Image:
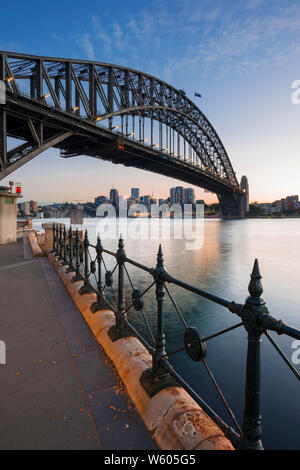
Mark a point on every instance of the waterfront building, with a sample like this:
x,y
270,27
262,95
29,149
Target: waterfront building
x,y
131,201
33,206
172,196
147,201
292,203
114,196
200,201
177,195
188,196
25,207
135,193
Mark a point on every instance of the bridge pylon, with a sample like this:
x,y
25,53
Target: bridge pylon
x,y
236,203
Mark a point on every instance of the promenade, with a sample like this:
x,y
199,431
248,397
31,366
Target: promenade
x,y
58,389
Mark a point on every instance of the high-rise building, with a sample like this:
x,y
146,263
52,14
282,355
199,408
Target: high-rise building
x,y
200,201
177,195
172,196
135,193
147,201
25,207
33,206
189,196
179,199
131,201
114,197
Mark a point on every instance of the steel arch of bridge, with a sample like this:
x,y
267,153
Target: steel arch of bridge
x,y
74,105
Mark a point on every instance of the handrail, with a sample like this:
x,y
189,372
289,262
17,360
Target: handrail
x,y
254,316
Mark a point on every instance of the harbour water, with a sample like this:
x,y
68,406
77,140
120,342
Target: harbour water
x,y
222,266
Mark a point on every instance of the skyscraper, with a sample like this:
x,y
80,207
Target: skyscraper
x,y
172,196
147,201
179,195
176,195
135,192
33,206
114,197
189,196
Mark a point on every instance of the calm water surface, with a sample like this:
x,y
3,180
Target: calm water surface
x,y
222,266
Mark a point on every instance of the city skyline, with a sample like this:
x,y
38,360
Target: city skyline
x,y
242,58
189,194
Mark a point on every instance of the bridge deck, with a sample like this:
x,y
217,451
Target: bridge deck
x,y
57,389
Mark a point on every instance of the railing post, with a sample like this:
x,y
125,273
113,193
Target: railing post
x,y
254,307
60,256
155,379
160,293
120,259
99,304
119,330
71,267
57,240
65,246
77,276
86,288
53,237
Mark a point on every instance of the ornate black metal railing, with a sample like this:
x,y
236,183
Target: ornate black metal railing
x,y
75,252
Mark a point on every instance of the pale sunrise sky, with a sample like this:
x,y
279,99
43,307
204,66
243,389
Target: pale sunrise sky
x,y
242,56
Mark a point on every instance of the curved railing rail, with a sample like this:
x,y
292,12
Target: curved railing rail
x,y
74,251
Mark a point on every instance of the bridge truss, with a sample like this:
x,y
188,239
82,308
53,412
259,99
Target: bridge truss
x,y
112,113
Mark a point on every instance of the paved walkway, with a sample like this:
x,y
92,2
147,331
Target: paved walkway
x,y
58,390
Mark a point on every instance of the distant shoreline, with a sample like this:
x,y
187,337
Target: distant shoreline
x,y
275,217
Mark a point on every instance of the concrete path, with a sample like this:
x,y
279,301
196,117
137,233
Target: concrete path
x,y
58,390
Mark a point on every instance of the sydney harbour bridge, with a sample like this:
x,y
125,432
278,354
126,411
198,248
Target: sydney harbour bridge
x,y
112,113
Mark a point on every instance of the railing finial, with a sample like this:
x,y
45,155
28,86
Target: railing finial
x,y
255,288
160,258
121,244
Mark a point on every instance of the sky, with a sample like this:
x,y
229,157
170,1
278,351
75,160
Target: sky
x,y
242,56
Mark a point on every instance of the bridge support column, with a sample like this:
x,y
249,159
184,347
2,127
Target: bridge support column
x,y
231,205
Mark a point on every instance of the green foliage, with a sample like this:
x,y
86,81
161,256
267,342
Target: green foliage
x,y
254,211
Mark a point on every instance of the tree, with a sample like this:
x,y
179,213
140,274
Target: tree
x,y
254,211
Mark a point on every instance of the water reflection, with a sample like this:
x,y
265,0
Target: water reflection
x,y
223,266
